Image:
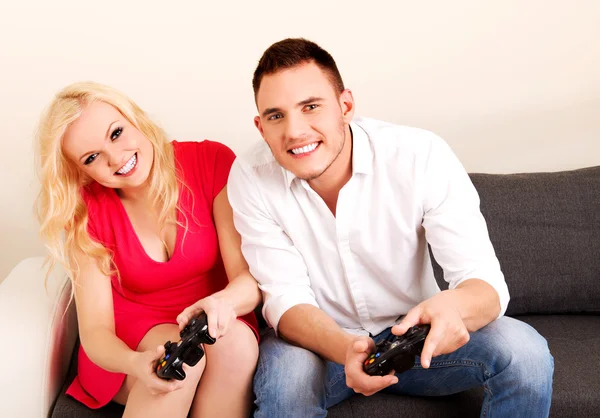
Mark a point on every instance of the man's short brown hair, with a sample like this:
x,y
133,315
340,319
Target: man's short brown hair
x,y
291,52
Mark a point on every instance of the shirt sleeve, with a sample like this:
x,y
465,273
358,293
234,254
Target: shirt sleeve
x,y
454,225
271,255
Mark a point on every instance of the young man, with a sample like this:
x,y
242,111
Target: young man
x,y
335,215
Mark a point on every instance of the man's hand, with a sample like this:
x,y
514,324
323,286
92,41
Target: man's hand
x,y
448,331
356,378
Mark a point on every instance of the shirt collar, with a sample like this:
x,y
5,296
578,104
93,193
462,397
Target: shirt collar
x,y
362,155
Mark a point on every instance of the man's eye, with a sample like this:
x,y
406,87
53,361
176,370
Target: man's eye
x,y
90,159
311,106
116,133
275,116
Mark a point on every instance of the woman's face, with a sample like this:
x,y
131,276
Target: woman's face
x,y
105,146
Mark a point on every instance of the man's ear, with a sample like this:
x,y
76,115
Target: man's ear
x,y
347,105
258,125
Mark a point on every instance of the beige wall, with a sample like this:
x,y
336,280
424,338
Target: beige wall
x,y
511,85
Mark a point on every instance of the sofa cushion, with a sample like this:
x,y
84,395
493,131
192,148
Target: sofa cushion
x,y
574,341
381,405
545,228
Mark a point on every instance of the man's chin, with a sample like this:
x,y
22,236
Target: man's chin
x,y
309,175
302,170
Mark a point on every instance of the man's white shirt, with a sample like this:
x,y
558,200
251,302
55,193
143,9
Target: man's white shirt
x,y
370,263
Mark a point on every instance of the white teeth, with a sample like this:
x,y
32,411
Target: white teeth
x,y
129,165
305,149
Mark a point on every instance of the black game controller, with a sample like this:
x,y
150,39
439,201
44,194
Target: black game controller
x,y
187,350
397,354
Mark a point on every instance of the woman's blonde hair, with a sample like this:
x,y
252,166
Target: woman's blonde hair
x,y
60,208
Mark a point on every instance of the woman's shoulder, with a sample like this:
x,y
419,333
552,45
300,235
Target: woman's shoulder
x,y
185,150
203,156
204,164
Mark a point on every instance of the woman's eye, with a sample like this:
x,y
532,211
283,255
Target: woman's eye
x,y
90,159
116,133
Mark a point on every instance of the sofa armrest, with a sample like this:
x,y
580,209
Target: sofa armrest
x,y
42,335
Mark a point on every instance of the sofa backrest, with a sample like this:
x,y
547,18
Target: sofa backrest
x,y
545,228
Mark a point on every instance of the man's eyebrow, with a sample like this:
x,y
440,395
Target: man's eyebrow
x,y
311,99
107,133
270,110
304,102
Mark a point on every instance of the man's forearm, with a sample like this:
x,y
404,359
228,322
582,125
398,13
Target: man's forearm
x,y
309,327
477,302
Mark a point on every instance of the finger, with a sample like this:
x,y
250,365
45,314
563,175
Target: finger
x,y
223,321
226,318
412,318
165,386
188,313
212,318
433,340
369,385
360,382
183,318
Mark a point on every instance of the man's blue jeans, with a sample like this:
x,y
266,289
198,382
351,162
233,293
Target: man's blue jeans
x,y
507,357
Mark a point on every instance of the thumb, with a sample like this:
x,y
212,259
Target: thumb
x,y
412,318
160,351
360,346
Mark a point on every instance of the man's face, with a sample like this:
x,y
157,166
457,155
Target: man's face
x,y
303,119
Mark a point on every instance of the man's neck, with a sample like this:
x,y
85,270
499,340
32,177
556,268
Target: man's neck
x,y
329,184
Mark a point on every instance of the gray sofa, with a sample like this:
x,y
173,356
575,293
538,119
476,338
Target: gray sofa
x,y
546,231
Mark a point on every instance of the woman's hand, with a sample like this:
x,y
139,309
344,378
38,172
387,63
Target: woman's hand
x,y
219,312
144,369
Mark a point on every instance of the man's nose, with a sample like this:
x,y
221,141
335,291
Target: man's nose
x,y
295,127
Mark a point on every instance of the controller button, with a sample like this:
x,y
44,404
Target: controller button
x,y
167,356
163,363
377,355
371,361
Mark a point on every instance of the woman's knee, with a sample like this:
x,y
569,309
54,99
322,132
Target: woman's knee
x,y
237,351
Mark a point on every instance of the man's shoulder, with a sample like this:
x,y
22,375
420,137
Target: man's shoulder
x,y
386,136
258,164
257,155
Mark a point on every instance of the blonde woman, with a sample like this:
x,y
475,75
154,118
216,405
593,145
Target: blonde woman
x,y
145,229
